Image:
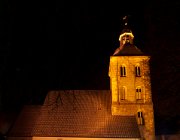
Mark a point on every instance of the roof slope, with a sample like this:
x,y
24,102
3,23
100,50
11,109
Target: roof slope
x,y
81,113
128,50
26,121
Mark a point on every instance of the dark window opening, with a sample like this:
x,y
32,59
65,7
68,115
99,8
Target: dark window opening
x,y
139,114
137,71
138,93
140,118
123,71
138,90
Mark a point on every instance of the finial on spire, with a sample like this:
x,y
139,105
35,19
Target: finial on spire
x,y
125,20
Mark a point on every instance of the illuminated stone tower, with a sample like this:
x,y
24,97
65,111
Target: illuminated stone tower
x,y
130,84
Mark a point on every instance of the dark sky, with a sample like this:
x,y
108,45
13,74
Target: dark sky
x,y
67,44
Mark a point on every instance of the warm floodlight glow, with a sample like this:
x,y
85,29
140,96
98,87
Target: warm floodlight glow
x,y
130,34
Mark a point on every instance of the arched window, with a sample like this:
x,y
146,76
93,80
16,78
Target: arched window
x,y
138,93
123,71
137,71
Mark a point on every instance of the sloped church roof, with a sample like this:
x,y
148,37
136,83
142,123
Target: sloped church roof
x,y
75,113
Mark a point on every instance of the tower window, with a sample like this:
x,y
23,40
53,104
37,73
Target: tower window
x,y
137,71
138,93
139,114
123,71
123,93
140,118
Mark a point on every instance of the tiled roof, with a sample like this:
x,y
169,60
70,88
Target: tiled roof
x,y
129,50
79,113
26,121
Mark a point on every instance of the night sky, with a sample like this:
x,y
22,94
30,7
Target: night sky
x,y
67,45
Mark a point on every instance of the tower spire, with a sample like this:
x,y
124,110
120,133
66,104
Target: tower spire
x,y
126,38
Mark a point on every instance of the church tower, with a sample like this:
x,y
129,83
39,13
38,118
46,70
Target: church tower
x,y
130,84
